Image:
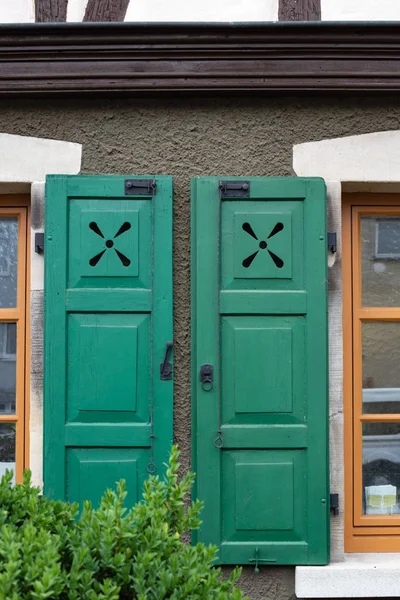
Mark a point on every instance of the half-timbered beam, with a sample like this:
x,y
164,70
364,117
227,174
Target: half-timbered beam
x,y
106,10
299,10
50,11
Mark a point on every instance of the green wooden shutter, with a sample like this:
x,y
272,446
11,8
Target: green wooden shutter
x,y
259,317
108,318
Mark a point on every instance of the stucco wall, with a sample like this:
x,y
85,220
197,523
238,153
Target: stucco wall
x,y
189,137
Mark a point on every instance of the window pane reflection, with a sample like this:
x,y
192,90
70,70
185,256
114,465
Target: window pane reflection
x,y
8,261
381,367
381,468
380,260
8,344
7,447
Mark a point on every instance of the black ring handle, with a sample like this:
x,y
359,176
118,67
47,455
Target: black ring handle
x,y
205,383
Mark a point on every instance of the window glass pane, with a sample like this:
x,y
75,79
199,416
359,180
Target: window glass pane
x,y
388,237
380,260
381,367
8,342
381,468
11,343
8,261
7,447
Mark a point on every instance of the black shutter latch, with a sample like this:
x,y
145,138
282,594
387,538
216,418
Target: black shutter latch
x,y
166,365
207,377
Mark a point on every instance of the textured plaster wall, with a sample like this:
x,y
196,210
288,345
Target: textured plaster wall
x,y
188,137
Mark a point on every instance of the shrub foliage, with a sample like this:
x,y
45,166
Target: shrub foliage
x,y
48,552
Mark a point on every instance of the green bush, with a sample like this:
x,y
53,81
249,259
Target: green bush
x,y
109,553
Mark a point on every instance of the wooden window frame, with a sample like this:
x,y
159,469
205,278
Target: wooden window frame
x,y
363,533
19,206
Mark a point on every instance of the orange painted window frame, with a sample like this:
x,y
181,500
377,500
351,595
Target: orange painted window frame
x,y
363,533
19,206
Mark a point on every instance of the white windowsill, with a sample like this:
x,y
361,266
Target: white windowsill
x,y
358,576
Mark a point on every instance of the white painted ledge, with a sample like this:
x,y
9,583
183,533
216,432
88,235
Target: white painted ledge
x,y
358,576
371,157
27,159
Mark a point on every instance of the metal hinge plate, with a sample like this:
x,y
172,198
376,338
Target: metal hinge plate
x,y
234,189
334,504
140,187
39,242
332,241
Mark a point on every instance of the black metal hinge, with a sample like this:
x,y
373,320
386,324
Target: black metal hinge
x,y
332,241
234,189
140,187
334,504
39,242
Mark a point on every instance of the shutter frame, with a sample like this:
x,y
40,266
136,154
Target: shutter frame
x,y
207,223
130,298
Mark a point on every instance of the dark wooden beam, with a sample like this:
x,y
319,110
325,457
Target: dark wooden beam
x,y
299,10
50,11
132,59
106,10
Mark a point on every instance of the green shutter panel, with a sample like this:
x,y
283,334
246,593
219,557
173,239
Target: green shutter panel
x,y
108,318
259,318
